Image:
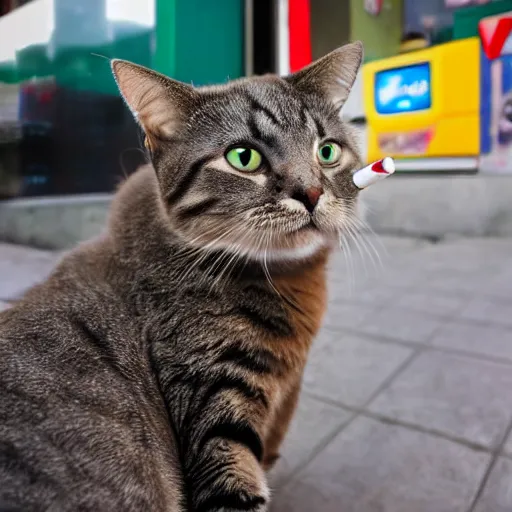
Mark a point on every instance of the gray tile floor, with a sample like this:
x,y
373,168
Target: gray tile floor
x,y
407,402
416,351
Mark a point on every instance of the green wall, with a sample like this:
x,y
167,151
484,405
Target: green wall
x,y
380,34
466,20
200,40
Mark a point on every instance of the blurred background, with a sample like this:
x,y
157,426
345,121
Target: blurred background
x,y
407,403
435,92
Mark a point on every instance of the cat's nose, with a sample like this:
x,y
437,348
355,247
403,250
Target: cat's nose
x,y
314,194
309,197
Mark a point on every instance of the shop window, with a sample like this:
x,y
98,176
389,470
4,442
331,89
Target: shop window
x,y
433,19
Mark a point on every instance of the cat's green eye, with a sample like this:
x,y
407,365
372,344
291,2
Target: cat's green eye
x,y
244,159
329,154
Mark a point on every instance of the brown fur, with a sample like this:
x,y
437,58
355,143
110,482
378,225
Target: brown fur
x,y
305,294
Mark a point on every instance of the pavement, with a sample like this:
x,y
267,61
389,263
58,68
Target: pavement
x,y
407,396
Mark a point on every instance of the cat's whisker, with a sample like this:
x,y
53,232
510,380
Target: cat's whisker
x,y
369,247
349,266
267,238
232,256
204,234
241,254
222,280
205,252
186,253
352,240
228,257
365,228
190,249
265,266
231,265
362,249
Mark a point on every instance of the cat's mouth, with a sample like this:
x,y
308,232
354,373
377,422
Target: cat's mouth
x,y
298,238
287,240
310,225
272,234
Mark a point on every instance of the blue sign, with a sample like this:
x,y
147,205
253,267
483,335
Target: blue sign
x,y
403,89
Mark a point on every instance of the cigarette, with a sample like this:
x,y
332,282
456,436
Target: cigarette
x,y
374,172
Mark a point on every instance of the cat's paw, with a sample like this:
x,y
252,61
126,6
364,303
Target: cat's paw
x,y
238,491
236,501
248,502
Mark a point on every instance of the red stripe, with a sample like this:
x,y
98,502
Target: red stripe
x,y
379,167
299,33
493,43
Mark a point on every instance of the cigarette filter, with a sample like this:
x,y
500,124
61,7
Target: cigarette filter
x,y
374,172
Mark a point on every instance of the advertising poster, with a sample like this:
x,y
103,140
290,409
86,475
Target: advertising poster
x,y
399,91
496,86
498,157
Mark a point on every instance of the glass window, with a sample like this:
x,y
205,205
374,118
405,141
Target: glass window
x,y
433,18
63,126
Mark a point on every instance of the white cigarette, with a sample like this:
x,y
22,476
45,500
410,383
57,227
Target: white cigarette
x,y
374,172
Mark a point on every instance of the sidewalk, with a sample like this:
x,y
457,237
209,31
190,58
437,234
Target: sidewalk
x,y
407,397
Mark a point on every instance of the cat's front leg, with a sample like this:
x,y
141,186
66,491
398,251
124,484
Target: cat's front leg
x,y
222,403
228,478
225,470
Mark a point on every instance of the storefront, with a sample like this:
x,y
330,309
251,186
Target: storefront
x,y
436,88
446,106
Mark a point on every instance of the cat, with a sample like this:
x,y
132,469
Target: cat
x,y
159,365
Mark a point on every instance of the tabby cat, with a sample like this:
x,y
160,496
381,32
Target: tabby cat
x,y
158,367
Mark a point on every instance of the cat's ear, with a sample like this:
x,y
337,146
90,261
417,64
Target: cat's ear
x,y
158,103
331,76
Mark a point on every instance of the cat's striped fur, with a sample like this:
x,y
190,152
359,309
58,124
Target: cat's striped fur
x,y
159,365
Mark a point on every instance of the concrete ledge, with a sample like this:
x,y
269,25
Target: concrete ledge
x,y
53,223
422,206
435,206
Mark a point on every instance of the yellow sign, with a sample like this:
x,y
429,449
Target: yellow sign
x,y
425,103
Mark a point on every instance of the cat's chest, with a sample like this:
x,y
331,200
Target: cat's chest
x,y
290,315
281,317
305,303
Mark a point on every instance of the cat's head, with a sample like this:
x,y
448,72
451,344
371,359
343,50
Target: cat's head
x,y
260,166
